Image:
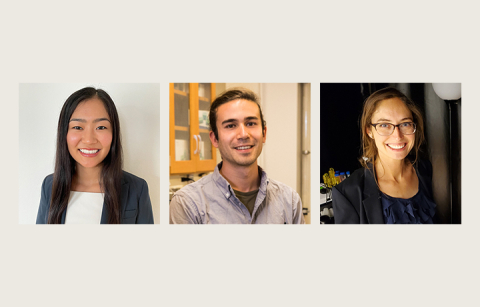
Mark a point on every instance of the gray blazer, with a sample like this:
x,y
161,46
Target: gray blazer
x,y
136,207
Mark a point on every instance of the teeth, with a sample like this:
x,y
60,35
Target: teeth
x,y
89,151
244,147
396,146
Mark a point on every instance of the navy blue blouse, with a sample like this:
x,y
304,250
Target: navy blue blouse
x,y
416,210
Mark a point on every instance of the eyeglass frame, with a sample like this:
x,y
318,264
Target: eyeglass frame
x,y
396,126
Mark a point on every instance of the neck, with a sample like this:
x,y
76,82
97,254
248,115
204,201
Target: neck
x,y
241,178
86,179
389,169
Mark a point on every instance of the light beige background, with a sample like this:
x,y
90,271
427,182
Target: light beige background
x,y
251,41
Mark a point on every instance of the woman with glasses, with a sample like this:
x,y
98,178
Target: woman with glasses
x,y
394,186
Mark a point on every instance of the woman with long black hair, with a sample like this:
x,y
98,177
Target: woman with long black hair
x,y
88,185
395,184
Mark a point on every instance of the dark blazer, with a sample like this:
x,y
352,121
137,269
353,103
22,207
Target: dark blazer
x,y
136,207
357,200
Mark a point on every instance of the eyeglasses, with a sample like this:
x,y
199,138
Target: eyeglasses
x,y
385,129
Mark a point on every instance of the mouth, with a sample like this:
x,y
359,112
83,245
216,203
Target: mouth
x,y
89,152
244,148
397,147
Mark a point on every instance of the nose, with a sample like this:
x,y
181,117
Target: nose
x,y
89,137
242,132
397,133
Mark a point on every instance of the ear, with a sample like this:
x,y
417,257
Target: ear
x,y
369,132
265,134
213,139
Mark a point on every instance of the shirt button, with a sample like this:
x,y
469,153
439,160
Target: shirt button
x,y
227,195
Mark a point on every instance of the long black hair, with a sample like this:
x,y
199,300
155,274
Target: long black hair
x,y
111,175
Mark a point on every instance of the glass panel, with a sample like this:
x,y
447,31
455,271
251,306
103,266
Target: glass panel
x,y
204,91
205,146
182,145
184,87
182,121
204,101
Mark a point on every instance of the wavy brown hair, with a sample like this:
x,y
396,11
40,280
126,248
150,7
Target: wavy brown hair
x,y
111,175
369,148
231,95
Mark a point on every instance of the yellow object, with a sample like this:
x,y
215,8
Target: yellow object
x,y
326,180
329,178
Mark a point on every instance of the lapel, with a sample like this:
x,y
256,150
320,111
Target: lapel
x,y
372,204
64,215
123,203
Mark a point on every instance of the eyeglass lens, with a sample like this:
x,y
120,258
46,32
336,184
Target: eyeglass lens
x,y
387,129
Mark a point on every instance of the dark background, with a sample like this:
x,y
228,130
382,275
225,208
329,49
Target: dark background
x,y
340,112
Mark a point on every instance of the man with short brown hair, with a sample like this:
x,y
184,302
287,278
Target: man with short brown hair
x,y
238,191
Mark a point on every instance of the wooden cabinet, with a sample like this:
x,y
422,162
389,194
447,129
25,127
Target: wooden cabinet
x,y
191,150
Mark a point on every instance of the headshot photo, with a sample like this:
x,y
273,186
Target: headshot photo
x,y
390,153
89,153
245,158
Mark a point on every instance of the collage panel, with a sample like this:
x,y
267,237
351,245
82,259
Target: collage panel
x,y
89,153
239,153
390,153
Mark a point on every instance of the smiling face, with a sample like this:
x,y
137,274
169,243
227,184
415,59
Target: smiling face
x,y
89,133
397,145
240,135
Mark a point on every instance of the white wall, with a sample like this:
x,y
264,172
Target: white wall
x,y
138,106
281,152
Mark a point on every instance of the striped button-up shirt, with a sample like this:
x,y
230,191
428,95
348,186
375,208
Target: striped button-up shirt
x,y
211,200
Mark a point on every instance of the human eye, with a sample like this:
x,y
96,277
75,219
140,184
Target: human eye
x,y
384,125
76,128
229,126
250,124
101,128
406,125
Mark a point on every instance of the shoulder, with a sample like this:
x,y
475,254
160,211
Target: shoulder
x,y
277,185
189,204
189,201
46,194
132,179
196,193
352,183
47,182
194,188
282,191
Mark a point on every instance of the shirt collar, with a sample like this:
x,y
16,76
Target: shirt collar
x,y
226,188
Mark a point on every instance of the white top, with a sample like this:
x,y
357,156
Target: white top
x,y
84,208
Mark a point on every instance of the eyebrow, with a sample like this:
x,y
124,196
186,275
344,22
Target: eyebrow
x,y
84,121
232,120
388,120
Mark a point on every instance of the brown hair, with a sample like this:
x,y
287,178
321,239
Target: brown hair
x,y
230,95
370,151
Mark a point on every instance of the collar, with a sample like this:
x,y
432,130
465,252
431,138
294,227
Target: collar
x,y
226,188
